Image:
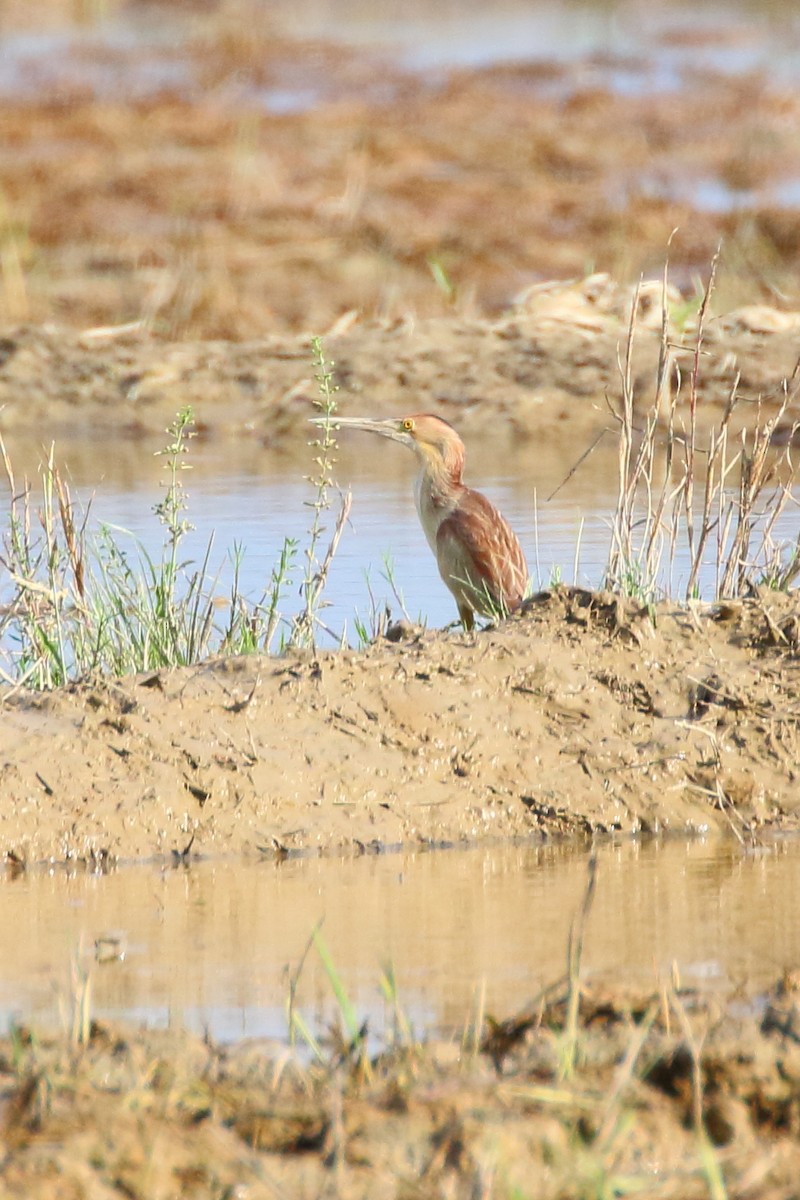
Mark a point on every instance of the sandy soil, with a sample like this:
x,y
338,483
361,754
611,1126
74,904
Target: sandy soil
x,y
581,716
671,1096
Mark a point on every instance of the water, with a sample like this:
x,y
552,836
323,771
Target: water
x,y
213,946
383,538
238,494
631,48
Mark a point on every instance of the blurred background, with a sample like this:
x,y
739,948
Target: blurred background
x,y
225,168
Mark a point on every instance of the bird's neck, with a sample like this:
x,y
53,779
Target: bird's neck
x,y
443,468
440,474
437,491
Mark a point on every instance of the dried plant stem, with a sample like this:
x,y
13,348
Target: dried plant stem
x,y
680,493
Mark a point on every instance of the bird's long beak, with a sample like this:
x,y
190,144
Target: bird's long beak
x,y
389,429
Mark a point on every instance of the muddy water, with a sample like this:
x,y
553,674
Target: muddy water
x,y
213,945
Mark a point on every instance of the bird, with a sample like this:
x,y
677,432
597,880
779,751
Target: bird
x,y
477,552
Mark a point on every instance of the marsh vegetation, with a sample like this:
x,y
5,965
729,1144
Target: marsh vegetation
x,y
85,599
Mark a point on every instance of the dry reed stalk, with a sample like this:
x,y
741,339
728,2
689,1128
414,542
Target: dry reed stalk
x,y
657,513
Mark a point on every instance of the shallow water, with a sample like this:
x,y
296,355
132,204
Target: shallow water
x,y
629,47
213,946
240,494
383,528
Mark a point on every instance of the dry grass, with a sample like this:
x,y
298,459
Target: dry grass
x,y
83,600
206,214
714,501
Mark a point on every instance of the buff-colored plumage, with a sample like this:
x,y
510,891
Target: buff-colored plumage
x,y
478,554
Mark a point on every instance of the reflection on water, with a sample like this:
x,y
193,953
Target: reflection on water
x,y
212,946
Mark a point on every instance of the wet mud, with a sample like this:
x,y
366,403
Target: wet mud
x,y
587,714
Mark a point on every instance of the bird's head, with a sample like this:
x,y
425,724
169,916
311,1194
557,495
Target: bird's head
x,y
434,441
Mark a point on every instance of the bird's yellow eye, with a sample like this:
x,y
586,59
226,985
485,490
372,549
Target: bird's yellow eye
x,y
408,424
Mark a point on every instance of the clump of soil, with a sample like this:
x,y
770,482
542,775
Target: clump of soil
x,y
585,714
669,1092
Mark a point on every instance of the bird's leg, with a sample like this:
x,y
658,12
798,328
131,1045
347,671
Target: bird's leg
x,y
467,617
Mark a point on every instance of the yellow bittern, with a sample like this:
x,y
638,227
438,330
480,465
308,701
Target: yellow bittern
x,y
477,552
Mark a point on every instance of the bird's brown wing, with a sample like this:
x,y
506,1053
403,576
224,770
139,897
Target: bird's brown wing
x,y
480,558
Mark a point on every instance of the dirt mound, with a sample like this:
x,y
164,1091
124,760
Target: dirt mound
x,y
586,714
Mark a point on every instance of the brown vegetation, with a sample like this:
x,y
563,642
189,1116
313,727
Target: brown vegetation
x,y
668,1096
204,209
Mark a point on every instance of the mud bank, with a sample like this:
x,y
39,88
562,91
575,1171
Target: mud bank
x,y
548,370
581,716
